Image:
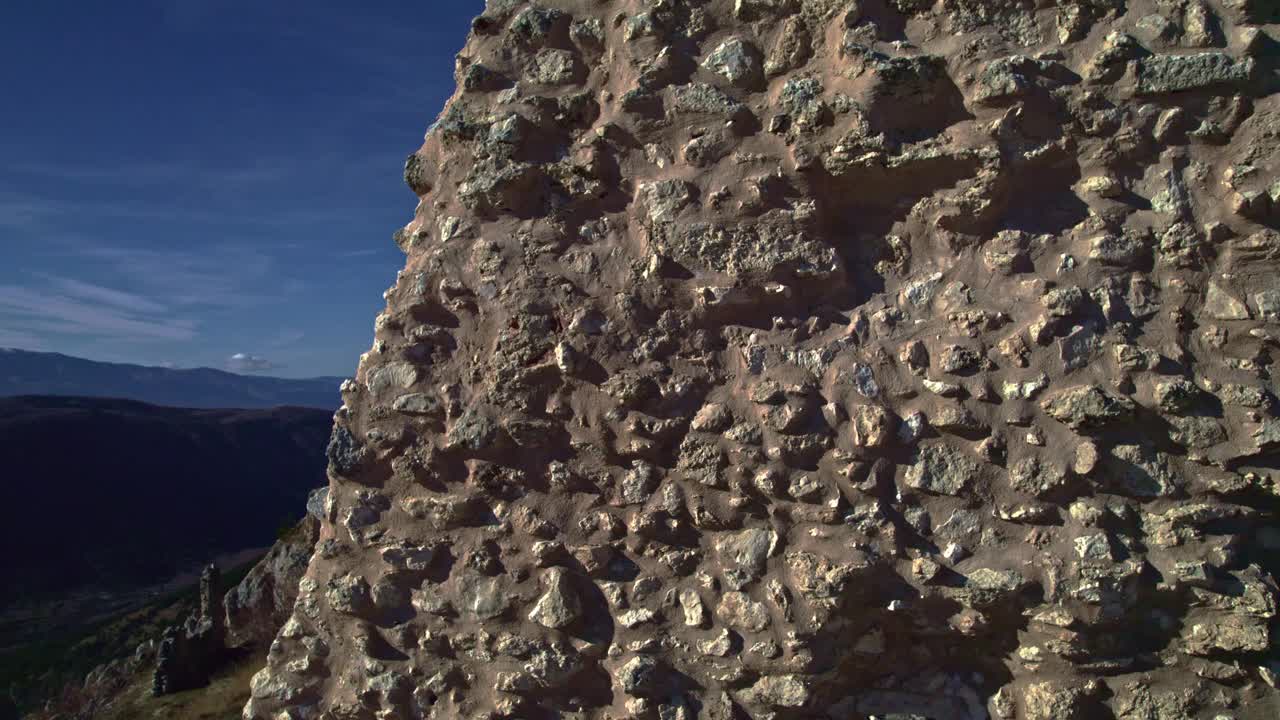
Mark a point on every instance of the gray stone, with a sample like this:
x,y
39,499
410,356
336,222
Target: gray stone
x,y
636,617
703,99
1226,634
1000,581
695,613
738,610
1094,547
758,9
1087,407
640,676
912,428
803,105
345,453
1032,476
817,577
748,550
1012,77
559,606
794,46
718,645
317,503
484,597
941,470
1249,396
1161,74
764,251
1141,472
537,25
1079,347
1220,305
1176,396
1056,700
396,375
778,691
189,654
418,404
1125,251
864,380
738,61
1267,303
473,431
553,67
665,199
349,594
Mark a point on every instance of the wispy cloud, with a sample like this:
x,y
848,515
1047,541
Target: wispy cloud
x,y
20,340
23,212
42,215
218,277
157,173
367,252
155,295
49,310
105,295
286,338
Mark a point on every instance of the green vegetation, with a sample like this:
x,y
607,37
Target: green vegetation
x,y
222,699
37,671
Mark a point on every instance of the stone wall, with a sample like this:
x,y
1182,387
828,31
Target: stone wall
x,y
818,359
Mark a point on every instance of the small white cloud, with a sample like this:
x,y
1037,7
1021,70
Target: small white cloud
x,y
244,362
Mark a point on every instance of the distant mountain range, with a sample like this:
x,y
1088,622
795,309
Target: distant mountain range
x,y
115,494
23,372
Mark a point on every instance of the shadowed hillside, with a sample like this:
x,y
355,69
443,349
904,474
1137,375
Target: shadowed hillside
x,y
141,493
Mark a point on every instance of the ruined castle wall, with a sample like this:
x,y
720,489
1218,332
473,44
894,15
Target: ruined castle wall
x,y
819,359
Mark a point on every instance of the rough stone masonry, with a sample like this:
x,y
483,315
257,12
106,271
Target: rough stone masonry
x,y
791,359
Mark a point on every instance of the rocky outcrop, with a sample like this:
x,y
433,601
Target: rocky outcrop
x,y
189,653
818,359
248,615
258,606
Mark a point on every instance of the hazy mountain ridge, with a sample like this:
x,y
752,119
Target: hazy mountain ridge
x,y
24,372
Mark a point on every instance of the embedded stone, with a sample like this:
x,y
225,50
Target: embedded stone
x,y
738,610
1160,74
559,606
941,470
738,61
1087,407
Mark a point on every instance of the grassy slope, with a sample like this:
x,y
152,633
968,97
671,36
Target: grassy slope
x,y
39,670
222,699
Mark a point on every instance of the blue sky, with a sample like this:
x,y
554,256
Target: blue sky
x,y
184,182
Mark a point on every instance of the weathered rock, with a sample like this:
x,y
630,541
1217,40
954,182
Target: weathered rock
x,y
559,606
738,610
1052,700
190,653
941,470
1087,407
1229,634
1221,306
778,691
738,61
1176,73
641,676
262,602
748,550
803,358
816,576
